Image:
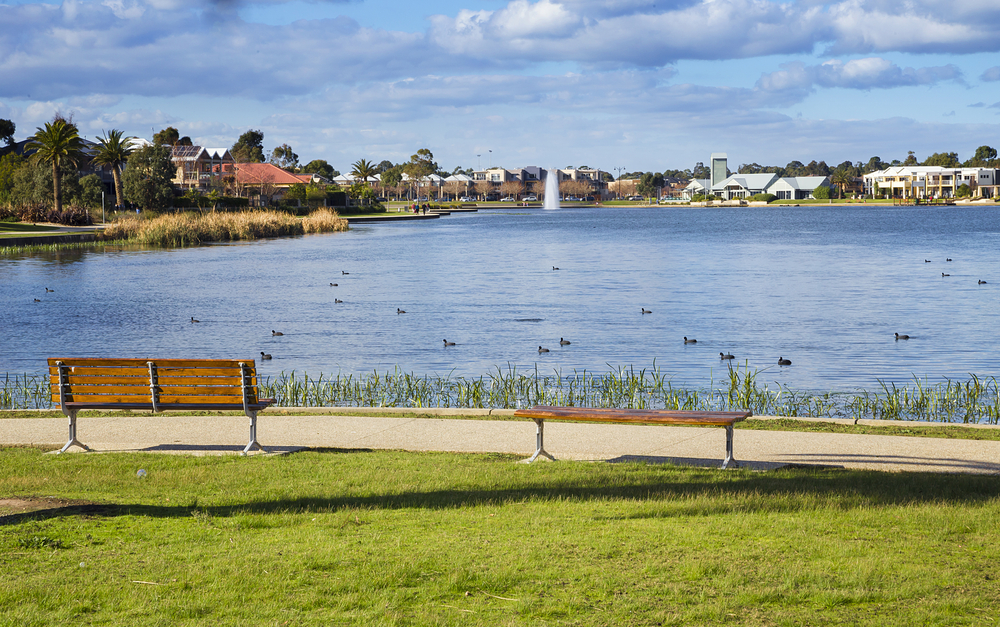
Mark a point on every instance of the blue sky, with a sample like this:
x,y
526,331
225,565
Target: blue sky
x,y
639,84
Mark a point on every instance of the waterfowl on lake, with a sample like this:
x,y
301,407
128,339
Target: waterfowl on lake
x,y
982,282
726,356
399,311
563,342
193,320
691,341
542,350
342,272
337,300
447,343
37,300
646,311
333,285
902,337
276,333
948,259
264,355
784,362
48,290
943,274
927,260
554,268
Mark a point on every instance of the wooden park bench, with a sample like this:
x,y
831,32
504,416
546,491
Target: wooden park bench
x,y
541,413
156,385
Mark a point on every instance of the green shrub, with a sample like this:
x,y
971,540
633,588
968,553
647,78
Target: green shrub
x,y
763,197
822,192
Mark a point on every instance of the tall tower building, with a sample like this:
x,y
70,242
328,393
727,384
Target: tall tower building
x,y
718,167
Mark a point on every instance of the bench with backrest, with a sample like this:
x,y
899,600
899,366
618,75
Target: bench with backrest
x,y
157,385
541,413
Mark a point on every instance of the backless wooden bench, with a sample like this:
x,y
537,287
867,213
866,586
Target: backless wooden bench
x,y
156,385
541,413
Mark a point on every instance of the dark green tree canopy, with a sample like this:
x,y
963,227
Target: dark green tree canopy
x,y
384,166
249,148
985,157
284,157
7,128
147,177
321,167
170,136
421,164
393,176
943,159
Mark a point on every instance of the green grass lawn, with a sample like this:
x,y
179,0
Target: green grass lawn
x,y
394,538
21,227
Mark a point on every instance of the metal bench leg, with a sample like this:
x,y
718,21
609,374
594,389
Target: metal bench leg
x,y
72,435
729,461
254,444
539,447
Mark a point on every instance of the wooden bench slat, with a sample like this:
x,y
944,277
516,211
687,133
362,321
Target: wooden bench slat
x,y
164,399
190,373
86,380
136,362
77,371
261,404
176,390
610,414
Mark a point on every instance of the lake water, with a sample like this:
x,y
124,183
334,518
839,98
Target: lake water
x,y
824,287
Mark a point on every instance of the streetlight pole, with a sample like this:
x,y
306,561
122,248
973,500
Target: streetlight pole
x,y
491,159
480,162
619,182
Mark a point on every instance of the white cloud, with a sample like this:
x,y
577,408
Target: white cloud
x,y
991,75
867,73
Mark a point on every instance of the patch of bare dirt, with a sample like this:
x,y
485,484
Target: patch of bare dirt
x,y
37,504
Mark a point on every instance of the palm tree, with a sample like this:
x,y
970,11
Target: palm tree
x,y
113,151
363,170
59,142
842,178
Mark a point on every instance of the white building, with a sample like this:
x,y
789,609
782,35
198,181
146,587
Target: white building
x,y
931,181
797,187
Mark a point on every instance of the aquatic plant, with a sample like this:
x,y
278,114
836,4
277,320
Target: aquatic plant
x,y
975,401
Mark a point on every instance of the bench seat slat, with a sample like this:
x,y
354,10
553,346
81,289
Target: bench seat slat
x,y
661,416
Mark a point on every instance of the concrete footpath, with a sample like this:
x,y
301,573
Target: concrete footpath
x,y
201,435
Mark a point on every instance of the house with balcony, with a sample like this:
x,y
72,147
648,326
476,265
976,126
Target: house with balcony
x,y
931,181
196,167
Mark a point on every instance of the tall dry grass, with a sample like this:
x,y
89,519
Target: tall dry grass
x,y
185,229
323,221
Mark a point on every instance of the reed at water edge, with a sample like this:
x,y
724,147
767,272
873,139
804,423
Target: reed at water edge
x,y
189,228
974,401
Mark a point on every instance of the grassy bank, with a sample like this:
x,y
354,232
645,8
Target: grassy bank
x,y
973,401
183,229
391,538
